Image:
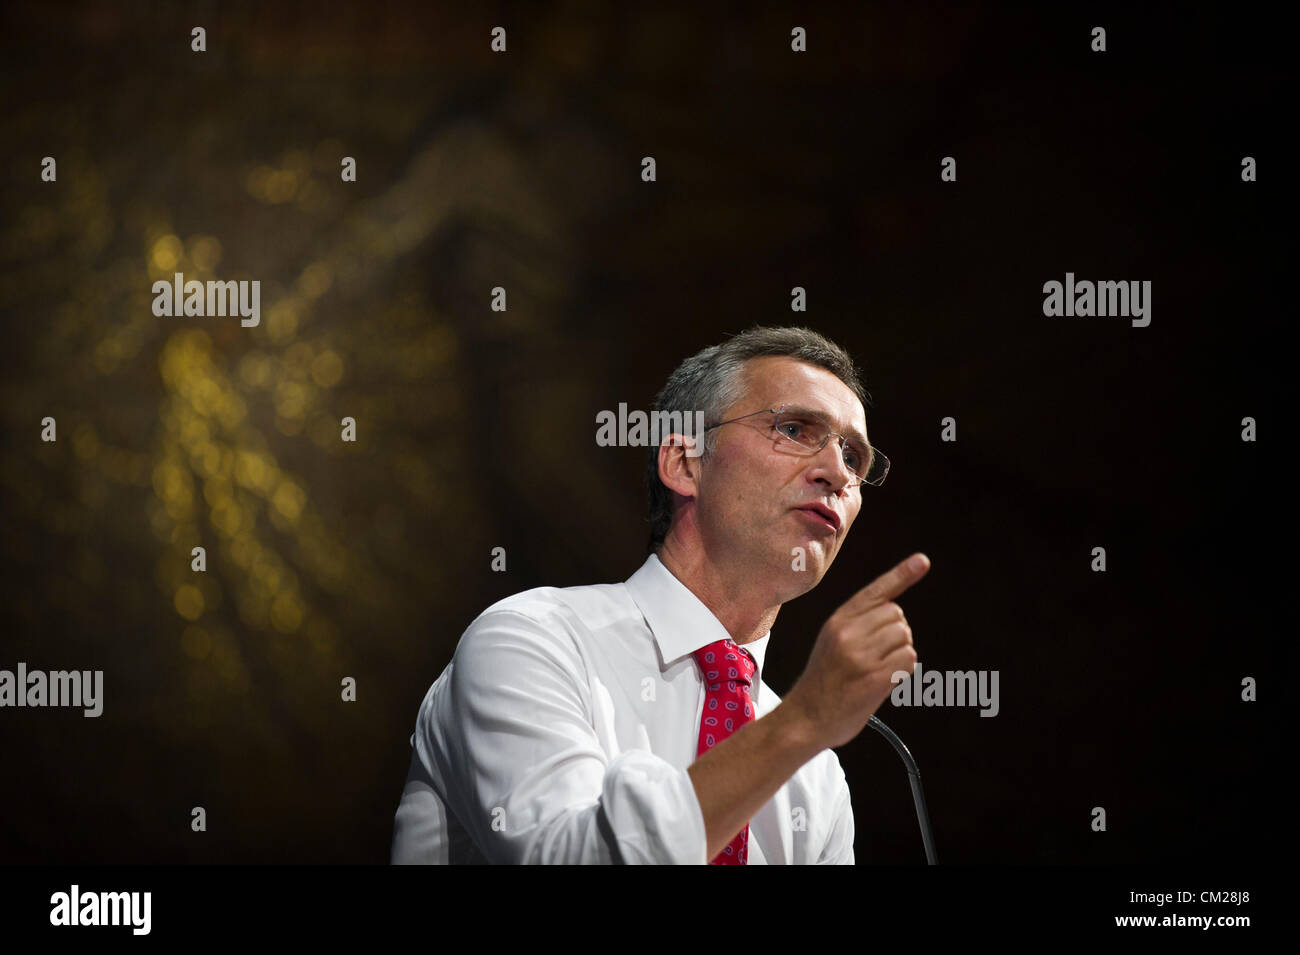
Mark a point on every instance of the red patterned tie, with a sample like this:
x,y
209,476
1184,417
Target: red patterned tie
x,y
727,670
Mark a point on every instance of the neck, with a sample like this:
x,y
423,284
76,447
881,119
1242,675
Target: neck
x,y
742,605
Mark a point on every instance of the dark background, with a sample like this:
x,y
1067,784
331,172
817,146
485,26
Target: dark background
x,y
476,428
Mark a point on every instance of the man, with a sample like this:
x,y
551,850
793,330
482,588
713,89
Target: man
x,y
628,723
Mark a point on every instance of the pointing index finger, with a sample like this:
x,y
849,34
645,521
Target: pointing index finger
x,y
889,584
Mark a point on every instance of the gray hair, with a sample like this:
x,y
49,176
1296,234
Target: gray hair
x,y
710,381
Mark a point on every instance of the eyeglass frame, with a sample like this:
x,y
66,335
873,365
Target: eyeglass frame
x,y
778,411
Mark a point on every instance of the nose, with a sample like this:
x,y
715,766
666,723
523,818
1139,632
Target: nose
x,y
836,475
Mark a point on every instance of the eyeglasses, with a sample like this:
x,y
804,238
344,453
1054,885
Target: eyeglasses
x,y
806,432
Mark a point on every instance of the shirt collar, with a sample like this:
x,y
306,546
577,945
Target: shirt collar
x,y
679,620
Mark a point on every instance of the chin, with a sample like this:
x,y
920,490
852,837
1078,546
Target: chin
x,y
816,563
803,583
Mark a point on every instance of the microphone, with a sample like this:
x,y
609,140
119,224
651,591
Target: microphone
x,y
914,776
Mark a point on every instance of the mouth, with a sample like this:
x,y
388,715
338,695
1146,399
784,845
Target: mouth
x,y
822,514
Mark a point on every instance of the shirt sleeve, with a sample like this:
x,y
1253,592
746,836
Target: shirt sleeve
x,y
839,842
524,770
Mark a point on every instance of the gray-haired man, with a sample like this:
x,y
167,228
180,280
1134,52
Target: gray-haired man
x,y
629,722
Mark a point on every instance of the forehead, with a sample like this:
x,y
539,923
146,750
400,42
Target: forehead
x,y
774,380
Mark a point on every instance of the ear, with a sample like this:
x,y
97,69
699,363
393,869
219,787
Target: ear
x,y
679,463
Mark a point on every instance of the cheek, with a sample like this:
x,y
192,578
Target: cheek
x,y
728,496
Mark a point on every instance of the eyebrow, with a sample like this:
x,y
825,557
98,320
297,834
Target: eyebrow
x,y
825,419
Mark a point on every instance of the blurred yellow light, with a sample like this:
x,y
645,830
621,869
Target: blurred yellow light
x,y
243,550
205,252
290,399
227,518
298,357
204,395
255,369
286,614
231,410
315,280
259,181
288,500
249,469
178,508
107,355
282,321
84,443
327,369
207,458
281,186
166,253
189,601
217,491
267,572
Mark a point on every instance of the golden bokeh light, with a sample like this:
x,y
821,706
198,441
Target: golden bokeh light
x,y
166,253
188,601
327,369
205,252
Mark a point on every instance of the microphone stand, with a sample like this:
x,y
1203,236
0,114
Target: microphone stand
x,y
914,776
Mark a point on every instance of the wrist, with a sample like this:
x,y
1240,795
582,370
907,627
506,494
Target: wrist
x,y
795,730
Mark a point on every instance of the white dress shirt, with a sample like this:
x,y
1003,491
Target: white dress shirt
x,y
561,730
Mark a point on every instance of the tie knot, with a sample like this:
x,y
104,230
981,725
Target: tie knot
x,y
726,660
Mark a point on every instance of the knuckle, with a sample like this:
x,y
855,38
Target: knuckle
x,y
907,664
836,638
